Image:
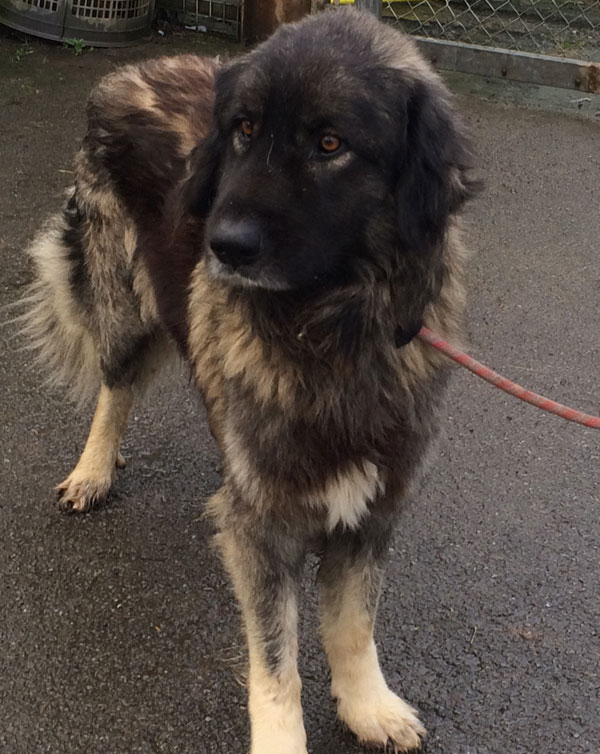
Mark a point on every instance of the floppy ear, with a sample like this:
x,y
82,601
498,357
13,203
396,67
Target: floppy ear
x,y
432,181
200,188
431,184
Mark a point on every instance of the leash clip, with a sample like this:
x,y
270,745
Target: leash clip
x,y
403,335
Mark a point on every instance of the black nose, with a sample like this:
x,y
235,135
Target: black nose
x,y
236,242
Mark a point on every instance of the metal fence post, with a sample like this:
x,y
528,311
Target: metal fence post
x,y
373,6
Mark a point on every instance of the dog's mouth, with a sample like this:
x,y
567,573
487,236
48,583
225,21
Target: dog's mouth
x,y
244,276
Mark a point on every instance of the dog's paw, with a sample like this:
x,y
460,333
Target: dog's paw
x,y
79,494
382,720
87,485
278,743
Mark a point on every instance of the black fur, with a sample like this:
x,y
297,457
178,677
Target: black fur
x,y
73,239
411,162
309,232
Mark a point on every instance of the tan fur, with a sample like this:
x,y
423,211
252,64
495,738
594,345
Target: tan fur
x,y
57,327
273,702
323,421
221,347
71,351
347,496
365,703
136,86
95,471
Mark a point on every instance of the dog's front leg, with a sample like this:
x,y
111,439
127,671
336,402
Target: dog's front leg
x,y
90,480
266,569
350,579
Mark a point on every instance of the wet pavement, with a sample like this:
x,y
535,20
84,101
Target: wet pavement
x,y
118,630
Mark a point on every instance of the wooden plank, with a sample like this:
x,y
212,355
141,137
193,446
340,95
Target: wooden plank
x,y
515,66
262,17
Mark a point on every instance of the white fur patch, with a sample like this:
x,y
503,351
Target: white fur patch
x,y
369,708
276,712
348,495
345,497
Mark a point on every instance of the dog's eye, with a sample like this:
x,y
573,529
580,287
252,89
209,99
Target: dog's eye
x,y
246,128
330,143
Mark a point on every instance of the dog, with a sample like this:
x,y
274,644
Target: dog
x,y
287,220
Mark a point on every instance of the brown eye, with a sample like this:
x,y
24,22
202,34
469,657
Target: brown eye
x,y
247,128
330,143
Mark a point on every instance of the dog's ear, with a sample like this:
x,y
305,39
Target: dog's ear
x,y
199,189
432,181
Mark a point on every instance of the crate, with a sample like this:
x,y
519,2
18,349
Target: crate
x,y
102,23
223,17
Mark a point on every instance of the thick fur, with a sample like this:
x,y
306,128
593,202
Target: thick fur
x,y
206,211
92,309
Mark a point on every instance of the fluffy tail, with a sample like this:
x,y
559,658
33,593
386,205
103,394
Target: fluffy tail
x,y
54,321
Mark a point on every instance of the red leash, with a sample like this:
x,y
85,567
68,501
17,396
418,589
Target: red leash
x,y
509,387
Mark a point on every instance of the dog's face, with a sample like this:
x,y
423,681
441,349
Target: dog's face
x,y
301,172
322,154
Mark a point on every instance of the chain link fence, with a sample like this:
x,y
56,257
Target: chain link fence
x,y
566,28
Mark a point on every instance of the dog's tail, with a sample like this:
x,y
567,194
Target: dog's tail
x,y
53,319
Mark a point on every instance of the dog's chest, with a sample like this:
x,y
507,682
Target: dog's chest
x,y
294,458
299,434
347,495
290,478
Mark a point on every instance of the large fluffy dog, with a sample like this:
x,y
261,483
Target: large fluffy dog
x,y
287,220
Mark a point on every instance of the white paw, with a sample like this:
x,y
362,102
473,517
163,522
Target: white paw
x,y
279,742
381,719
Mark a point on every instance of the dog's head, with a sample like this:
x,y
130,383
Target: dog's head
x,y
333,143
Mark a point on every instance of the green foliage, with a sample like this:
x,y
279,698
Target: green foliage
x,y
77,45
22,52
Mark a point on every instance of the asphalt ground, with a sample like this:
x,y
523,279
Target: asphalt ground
x,y
118,630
